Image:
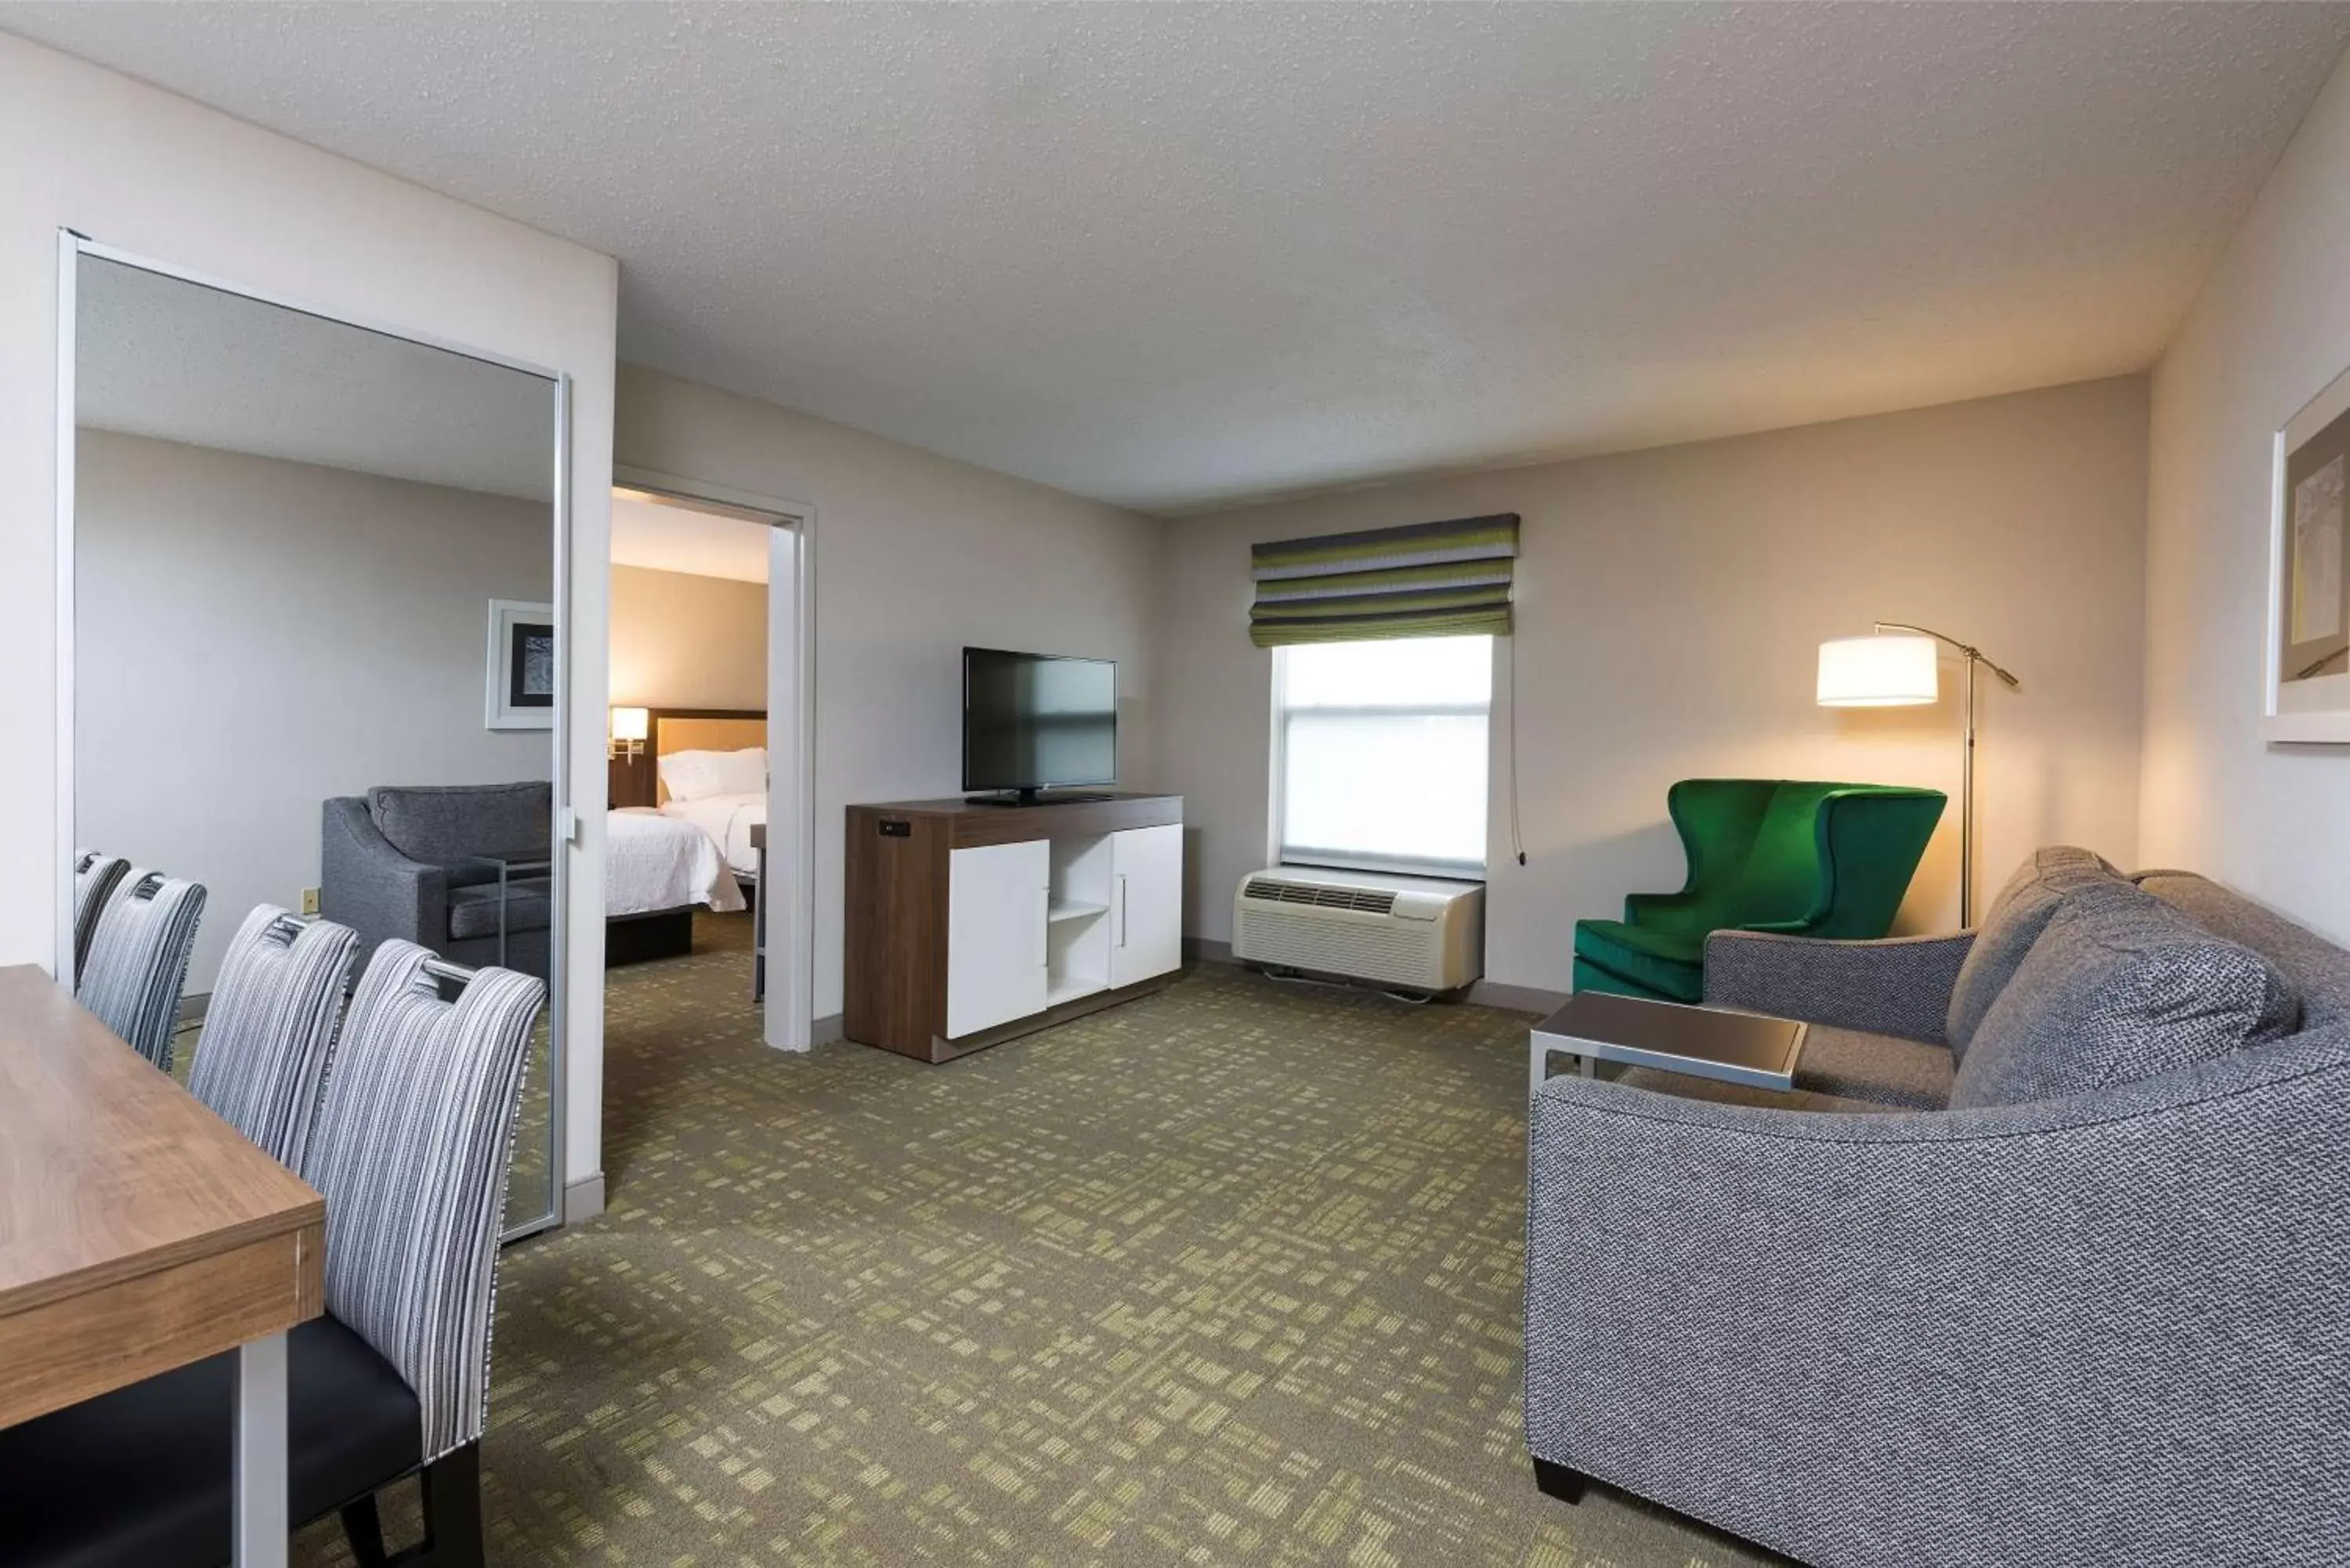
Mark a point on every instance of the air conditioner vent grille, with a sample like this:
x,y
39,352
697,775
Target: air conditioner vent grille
x,y
1425,935
1320,896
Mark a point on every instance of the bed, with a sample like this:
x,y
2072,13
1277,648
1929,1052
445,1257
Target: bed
x,y
706,766
657,872
654,863
727,821
682,817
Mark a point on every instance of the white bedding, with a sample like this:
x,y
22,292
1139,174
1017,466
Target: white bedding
x,y
653,862
728,819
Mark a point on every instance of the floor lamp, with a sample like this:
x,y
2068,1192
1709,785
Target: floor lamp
x,y
1899,667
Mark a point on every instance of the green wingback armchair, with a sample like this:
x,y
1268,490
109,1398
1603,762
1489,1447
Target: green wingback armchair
x,y
1764,855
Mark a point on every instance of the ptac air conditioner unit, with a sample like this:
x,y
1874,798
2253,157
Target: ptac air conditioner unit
x,y
1416,933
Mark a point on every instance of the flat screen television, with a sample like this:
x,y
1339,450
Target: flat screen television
x,y
1031,721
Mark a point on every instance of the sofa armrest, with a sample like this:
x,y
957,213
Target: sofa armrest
x,y
366,883
1900,985
2074,1333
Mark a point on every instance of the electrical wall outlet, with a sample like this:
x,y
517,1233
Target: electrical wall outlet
x,y
309,901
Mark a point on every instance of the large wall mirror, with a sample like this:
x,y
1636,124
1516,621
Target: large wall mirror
x,y
317,660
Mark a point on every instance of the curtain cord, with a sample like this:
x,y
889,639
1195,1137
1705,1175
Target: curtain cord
x,y
1517,839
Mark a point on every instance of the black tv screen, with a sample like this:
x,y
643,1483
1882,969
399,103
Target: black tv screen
x,y
1033,721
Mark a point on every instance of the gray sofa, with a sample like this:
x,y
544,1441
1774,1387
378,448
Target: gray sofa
x,y
394,863
2045,1262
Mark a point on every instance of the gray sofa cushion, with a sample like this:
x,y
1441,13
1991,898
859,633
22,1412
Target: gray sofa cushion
x,y
2120,987
2015,920
2317,970
433,822
473,910
1886,1071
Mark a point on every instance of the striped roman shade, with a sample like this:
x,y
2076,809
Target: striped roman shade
x,y
1428,579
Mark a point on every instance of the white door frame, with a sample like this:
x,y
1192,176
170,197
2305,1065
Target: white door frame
x,y
790,1022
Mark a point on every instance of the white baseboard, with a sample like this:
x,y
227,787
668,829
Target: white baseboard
x,y
825,1030
583,1198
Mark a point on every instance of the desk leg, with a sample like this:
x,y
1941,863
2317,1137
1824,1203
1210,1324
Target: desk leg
x,y
260,1527
1539,1068
759,933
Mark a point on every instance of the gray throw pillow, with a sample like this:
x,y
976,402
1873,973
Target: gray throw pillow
x,y
2120,987
2016,918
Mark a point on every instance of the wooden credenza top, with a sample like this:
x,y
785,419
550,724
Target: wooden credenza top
x,y
969,823
126,1205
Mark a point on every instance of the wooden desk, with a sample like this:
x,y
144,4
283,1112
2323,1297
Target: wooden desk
x,y
140,1232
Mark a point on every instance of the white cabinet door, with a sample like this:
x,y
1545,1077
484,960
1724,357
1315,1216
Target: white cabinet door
x,y
996,900
1146,909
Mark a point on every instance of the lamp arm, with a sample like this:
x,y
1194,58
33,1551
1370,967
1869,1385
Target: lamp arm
x,y
1968,648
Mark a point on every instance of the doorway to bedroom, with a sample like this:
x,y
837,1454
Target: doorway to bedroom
x,y
706,763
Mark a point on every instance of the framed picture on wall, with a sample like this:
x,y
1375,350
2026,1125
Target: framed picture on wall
x,y
2309,574
520,691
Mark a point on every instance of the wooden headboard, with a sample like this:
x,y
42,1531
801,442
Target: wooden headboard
x,y
686,730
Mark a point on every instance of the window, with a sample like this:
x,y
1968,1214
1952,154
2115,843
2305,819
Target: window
x,y
1380,753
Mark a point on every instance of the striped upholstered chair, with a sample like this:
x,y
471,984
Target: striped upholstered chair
x,y
96,877
409,1149
271,1021
138,959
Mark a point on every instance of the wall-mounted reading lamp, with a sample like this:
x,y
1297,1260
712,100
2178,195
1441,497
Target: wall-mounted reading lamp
x,y
629,727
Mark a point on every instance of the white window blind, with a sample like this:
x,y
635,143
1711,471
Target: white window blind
x,y
1382,753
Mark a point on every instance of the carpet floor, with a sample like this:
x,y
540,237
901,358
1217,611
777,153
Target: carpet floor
x,y
1229,1275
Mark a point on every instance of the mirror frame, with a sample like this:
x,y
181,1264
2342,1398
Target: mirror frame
x,y
72,246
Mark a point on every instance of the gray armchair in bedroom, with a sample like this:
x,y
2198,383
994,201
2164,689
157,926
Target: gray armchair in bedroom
x,y
420,863
2045,1267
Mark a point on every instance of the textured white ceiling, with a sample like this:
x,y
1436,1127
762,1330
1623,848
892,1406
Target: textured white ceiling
x,y
156,356
663,537
1178,255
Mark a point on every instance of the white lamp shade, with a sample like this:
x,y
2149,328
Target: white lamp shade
x,y
1879,672
631,724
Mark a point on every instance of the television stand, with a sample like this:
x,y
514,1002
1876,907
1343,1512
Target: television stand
x,y
969,925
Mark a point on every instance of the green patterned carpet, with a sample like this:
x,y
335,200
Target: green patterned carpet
x,y
1229,1275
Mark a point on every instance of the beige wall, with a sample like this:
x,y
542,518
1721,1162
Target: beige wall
x,y
685,641
302,632
916,556
2270,329
1670,607
163,177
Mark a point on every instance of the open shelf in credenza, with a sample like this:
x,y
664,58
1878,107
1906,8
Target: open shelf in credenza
x,y
1071,988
